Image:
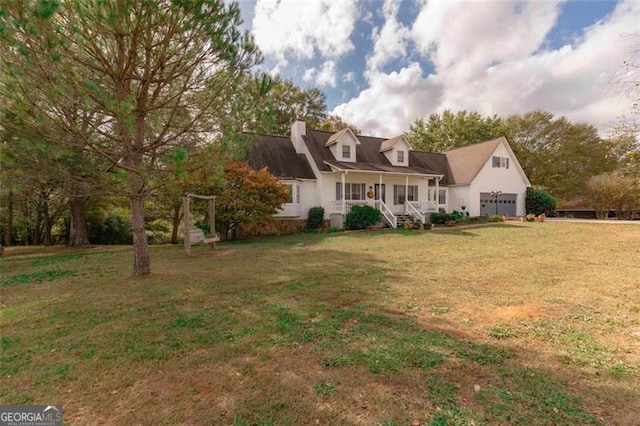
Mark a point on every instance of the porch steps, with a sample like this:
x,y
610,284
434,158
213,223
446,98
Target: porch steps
x,y
401,219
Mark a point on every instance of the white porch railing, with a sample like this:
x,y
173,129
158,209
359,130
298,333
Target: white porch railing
x,y
415,213
424,206
338,205
344,206
388,215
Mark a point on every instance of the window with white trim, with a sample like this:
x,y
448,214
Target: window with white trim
x,y
353,191
502,162
346,151
442,196
293,193
402,193
412,195
400,156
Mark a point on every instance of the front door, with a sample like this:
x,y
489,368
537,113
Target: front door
x,y
384,191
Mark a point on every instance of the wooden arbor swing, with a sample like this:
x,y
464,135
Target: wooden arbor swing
x,y
197,236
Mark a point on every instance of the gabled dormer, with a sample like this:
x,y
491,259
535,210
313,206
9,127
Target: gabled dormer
x,y
343,145
396,150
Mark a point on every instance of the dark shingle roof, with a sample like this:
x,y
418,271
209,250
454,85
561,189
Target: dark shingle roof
x,y
279,156
367,151
369,157
432,161
459,166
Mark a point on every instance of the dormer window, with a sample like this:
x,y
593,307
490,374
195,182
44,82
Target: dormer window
x,y
396,150
346,151
343,145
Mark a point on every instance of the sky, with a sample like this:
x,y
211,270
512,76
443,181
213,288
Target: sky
x,y
385,63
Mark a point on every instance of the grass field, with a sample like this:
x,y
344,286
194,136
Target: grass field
x,y
524,323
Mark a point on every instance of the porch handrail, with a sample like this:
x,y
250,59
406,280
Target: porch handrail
x,y
338,204
388,214
415,213
424,206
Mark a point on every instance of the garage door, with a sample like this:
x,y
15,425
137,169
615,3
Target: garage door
x,y
506,204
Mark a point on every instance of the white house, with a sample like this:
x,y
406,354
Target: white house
x,y
339,170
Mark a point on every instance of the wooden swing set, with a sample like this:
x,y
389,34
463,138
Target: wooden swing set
x,y
197,236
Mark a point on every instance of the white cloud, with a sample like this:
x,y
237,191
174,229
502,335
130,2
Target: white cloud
x,y
389,41
327,74
573,80
300,29
463,39
308,74
493,58
275,70
349,77
392,102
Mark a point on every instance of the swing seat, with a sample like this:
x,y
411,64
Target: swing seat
x,y
196,236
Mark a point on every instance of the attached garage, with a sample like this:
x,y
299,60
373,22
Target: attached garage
x,y
506,204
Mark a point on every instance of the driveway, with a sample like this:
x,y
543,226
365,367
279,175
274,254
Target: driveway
x,y
608,221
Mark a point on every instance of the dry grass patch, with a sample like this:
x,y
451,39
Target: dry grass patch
x,y
524,323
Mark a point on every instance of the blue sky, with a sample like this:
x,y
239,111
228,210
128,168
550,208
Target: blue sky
x,y
385,63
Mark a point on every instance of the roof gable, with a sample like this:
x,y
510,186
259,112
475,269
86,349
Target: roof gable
x,y
393,142
341,136
465,163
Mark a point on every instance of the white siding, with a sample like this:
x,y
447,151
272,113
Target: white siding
x,y
490,178
458,196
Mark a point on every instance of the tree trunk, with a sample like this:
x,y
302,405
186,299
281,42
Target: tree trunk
x,y
48,224
141,256
37,226
8,234
40,225
78,236
46,221
176,223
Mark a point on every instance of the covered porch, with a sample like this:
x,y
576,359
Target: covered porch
x,y
398,196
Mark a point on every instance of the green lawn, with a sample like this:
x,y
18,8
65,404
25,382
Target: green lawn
x,y
524,323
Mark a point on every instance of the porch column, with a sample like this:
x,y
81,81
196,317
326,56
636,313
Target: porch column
x,y
437,193
406,194
344,196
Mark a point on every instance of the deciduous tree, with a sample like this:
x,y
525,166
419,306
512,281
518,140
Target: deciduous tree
x,y
285,103
442,132
613,191
556,153
335,123
247,196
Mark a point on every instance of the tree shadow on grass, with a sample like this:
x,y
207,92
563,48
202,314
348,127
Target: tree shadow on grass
x,y
281,333
456,232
